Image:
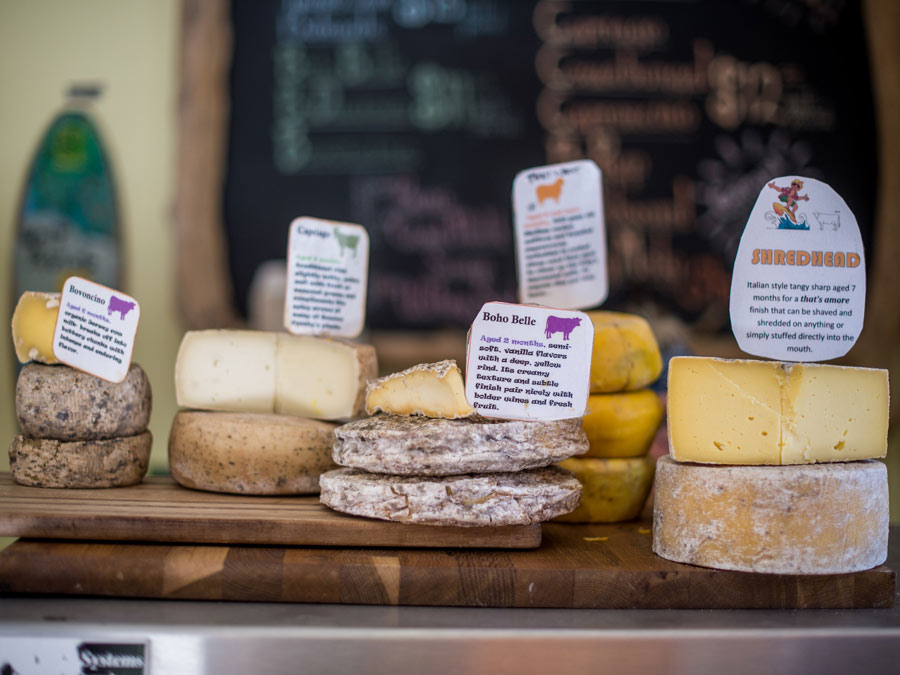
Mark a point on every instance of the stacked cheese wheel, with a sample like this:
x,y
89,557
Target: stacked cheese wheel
x,y
429,459
257,401
78,431
624,415
770,467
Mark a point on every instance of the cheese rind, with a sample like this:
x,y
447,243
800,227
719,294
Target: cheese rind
x,y
113,462
428,389
613,490
249,453
801,519
33,326
625,356
768,412
622,424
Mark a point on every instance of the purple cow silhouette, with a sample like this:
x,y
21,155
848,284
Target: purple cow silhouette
x,y
120,306
558,324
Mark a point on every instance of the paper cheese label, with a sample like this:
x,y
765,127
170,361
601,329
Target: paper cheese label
x,y
561,235
799,286
95,329
529,363
327,270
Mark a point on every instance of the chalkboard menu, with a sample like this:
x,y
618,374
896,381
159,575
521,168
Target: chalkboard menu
x,y
411,117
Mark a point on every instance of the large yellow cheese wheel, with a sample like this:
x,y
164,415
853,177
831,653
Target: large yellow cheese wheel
x,y
625,355
623,424
612,489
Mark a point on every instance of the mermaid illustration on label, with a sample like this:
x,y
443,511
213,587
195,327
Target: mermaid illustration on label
x,y
785,209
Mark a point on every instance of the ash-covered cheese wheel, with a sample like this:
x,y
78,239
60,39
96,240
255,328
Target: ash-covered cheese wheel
x,y
803,519
249,453
622,424
471,500
612,489
625,356
65,404
114,462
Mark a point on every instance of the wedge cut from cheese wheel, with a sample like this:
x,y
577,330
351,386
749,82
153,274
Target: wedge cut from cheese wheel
x,y
65,404
802,519
767,412
266,372
625,355
622,424
429,389
471,500
249,453
33,326
613,490
395,444
112,462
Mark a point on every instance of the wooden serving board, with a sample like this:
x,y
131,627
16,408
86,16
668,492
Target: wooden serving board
x,y
577,566
159,510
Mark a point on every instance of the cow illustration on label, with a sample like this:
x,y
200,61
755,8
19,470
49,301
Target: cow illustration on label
x,y
832,219
119,305
550,191
558,324
348,241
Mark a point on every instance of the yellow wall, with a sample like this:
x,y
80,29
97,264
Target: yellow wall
x,y
131,47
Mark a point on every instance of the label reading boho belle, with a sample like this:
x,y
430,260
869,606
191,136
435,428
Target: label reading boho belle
x,y
560,235
328,265
799,287
95,329
527,362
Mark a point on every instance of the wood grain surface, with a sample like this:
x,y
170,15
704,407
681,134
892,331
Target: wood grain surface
x,y
159,510
577,566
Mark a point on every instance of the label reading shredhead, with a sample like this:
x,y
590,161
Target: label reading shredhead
x,y
95,329
529,363
798,291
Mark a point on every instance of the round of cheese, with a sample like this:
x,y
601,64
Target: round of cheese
x,y
622,424
65,404
249,453
625,355
472,500
113,462
802,519
612,489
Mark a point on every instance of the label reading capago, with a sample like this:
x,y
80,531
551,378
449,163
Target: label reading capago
x,y
95,329
528,362
799,286
561,235
328,264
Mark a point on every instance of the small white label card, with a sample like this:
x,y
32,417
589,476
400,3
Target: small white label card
x,y
327,272
798,292
95,329
560,235
529,363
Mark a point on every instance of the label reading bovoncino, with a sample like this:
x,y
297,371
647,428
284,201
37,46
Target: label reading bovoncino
x,y
95,329
798,291
560,235
327,269
529,363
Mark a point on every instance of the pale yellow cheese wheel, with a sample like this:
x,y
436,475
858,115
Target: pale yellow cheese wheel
x,y
612,489
622,424
626,355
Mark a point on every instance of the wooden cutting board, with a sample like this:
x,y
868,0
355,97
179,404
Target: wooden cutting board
x,y
159,510
577,566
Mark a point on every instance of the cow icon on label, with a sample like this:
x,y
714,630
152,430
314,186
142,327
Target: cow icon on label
x,y
558,324
550,191
348,241
119,305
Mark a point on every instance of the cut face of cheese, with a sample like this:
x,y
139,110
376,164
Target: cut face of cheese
x,y
265,372
33,325
613,490
429,389
805,519
625,355
623,424
768,412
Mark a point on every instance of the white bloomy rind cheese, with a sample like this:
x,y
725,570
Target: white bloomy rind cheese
x,y
803,519
429,389
768,412
265,372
